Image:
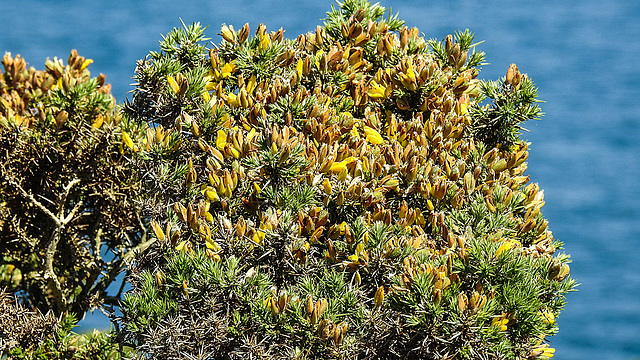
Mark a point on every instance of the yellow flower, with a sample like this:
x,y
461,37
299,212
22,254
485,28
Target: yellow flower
x,y
326,185
211,85
251,84
509,244
232,99
227,70
265,41
408,79
157,230
379,296
372,135
251,135
377,91
463,109
97,123
211,194
206,96
542,351
337,167
547,316
299,67
221,140
184,246
258,237
548,353
86,63
501,323
173,84
354,133
212,245
126,139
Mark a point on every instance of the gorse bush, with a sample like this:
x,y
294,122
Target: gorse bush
x,y
66,194
354,193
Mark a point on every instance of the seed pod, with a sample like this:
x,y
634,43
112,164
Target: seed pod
x,y
461,60
273,305
308,306
554,269
326,329
283,301
564,272
160,278
528,225
62,117
338,333
437,296
500,165
321,306
404,37
448,43
243,34
314,316
463,302
469,183
319,36
511,74
181,211
455,278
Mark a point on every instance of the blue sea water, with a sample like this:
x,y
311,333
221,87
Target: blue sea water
x,y
583,55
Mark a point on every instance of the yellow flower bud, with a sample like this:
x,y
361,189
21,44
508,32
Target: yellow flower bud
x,y
379,297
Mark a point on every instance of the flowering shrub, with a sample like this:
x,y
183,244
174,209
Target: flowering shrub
x,y
354,193
67,219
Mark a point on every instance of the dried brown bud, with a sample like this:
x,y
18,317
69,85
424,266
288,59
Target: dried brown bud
x,y
448,43
511,74
243,34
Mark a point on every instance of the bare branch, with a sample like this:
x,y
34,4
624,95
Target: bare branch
x,y
63,202
50,275
32,199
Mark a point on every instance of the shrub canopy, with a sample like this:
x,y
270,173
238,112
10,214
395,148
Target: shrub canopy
x,y
356,192
67,220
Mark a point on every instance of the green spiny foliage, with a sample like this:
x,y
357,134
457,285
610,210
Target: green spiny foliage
x,y
65,191
514,101
343,195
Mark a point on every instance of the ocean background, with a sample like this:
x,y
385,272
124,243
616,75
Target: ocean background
x,y
583,56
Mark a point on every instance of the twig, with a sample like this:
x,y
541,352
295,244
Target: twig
x,y
33,200
60,222
50,274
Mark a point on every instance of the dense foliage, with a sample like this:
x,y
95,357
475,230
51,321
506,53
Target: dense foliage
x,y
67,217
348,194
354,193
